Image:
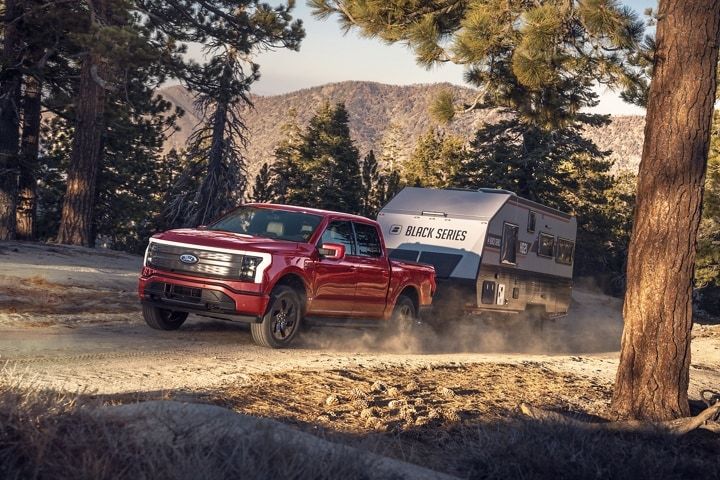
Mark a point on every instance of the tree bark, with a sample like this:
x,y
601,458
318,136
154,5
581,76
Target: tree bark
x,y
10,80
29,148
76,222
653,375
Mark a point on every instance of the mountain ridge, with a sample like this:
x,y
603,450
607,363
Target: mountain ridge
x,y
375,107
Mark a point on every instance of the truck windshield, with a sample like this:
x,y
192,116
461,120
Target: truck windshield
x,y
269,223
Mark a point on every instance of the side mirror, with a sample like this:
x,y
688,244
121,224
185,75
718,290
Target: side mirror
x,y
333,251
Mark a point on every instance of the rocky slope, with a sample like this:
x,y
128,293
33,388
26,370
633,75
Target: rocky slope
x,y
374,108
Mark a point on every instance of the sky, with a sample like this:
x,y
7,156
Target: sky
x,y
326,56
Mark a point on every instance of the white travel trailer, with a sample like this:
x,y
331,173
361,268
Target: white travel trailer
x,y
493,252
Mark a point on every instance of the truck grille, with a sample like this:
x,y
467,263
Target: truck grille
x,y
209,264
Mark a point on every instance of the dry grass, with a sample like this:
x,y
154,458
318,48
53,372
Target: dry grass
x,y
396,399
471,430
46,435
463,420
38,295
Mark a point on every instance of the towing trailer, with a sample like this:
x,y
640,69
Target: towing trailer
x,y
493,252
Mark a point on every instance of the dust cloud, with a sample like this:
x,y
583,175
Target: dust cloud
x,y
593,325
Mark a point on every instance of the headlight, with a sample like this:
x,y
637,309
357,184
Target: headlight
x,y
149,251
248,268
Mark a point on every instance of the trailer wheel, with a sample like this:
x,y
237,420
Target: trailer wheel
x,y
161,319
281,321
536,318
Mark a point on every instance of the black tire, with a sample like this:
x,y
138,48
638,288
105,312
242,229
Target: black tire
x,y
161,319
281,321
536,318
405,319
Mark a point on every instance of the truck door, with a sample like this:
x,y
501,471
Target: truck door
x,y
335,280
373,272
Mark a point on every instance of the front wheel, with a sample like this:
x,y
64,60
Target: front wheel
x,y
161,319
281,321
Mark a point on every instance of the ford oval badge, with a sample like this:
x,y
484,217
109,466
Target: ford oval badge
x,y
188,258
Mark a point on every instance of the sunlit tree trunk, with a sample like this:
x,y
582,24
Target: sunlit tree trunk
x,y
653,375
79,204
29,147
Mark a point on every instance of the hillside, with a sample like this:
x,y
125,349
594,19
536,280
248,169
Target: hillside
x,y
373,108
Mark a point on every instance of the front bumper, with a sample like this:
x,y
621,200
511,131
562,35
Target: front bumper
x,y
201,296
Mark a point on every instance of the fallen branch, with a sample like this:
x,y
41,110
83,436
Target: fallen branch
x,y
681,426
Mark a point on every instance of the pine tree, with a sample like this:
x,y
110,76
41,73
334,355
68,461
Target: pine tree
x,y
707,263
538,60
653,374
232,33
392,155
10,91
435,161
262,190
323,170
371,186
287,176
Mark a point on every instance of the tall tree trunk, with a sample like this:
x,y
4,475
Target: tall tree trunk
x,y
653,375
29,148
10,81
79,204
208,201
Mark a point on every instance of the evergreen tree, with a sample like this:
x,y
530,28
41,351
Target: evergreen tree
x,y
234,32
392,155
653,374
323,170
707,263
435,161
538,60
10,91
287,176
371,186
263,191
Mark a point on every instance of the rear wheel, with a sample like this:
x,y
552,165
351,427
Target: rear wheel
x,y
281,321
161,319
405,319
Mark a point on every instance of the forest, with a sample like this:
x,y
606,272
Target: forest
x,y
83,129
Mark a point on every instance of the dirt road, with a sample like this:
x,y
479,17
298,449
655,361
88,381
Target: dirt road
x,y
69,320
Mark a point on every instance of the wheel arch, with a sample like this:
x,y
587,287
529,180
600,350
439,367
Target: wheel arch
x,y
295,281
412,293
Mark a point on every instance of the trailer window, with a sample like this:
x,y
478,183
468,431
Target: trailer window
x,y
531,221
546,245
444,263
565,251
404,255
508,250
368,240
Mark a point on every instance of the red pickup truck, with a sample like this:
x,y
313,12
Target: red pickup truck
x,y
276,266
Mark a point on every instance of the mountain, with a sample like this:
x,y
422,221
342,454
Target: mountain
x,y
373,108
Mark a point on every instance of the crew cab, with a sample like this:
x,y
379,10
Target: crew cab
x,y
277,266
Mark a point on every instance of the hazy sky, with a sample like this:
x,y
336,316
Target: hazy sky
x,y
326,55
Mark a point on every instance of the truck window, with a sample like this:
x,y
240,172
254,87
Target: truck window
x,y
368,240
565,250
546,245
340,232
508,249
